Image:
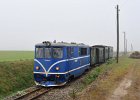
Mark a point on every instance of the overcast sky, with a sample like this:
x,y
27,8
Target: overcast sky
x,y
23,23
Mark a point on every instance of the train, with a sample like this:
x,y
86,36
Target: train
x,y
56,63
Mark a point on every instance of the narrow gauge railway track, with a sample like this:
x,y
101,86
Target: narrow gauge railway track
x,y
34,94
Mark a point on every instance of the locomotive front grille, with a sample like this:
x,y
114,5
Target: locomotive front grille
x,y
40,77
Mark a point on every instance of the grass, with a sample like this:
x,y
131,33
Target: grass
x,y
97,71
106,78
15,55
134,90
73,94
15,76
92,76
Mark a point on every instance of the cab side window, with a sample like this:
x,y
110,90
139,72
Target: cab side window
x,y
57,52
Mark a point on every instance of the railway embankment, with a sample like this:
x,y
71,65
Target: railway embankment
x,y
15,76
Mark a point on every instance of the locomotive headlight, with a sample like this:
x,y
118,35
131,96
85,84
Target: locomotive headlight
x,y
37,68
57,68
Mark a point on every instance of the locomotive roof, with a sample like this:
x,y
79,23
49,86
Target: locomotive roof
x,y
62,44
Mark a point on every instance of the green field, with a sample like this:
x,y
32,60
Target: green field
x,y
16,55
16,71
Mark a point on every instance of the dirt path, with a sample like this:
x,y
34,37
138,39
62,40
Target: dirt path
x,y
124,85
121,90
133,92
129,87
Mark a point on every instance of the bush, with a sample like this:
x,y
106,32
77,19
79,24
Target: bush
x,y
91,77
135,54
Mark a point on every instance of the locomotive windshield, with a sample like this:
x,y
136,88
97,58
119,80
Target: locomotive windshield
x,y
39,53
57,52
42,52
47,52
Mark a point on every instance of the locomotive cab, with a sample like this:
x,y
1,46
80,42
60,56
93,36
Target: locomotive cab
x,y
47,69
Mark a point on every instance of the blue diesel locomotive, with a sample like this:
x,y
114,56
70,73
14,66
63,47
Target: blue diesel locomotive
x,y
57,63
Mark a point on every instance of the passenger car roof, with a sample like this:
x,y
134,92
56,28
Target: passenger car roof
x,y
99,46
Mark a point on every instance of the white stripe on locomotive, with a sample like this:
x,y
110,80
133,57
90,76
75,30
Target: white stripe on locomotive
x,y
47,72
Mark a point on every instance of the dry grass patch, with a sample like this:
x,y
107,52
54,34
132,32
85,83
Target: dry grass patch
x,y
134,90
108,80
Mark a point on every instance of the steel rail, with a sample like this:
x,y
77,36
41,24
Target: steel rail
x,y
39,91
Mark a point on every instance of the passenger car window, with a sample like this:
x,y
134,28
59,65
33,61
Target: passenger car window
x,y
39,53
47,52
57,52
83,51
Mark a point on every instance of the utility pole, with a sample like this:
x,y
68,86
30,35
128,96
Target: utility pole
x,y
124,43
131,48
118,33
126,46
